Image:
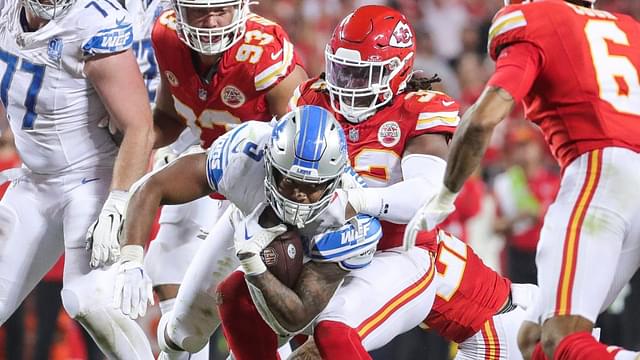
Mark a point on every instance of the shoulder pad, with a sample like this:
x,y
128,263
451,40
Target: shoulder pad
x,y
239,143
299,97
265,48
104,28
351,240
433,109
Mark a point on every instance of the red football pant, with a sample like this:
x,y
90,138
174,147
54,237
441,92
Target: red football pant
x,y
248,336
337,341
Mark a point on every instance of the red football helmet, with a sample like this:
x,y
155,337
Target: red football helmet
x,y
512,2
368,60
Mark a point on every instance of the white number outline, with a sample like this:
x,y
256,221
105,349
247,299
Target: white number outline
x,y
609,67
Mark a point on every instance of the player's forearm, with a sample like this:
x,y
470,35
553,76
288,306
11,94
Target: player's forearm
x,y
399,202
285,305
141,211
133,157
166,128
472,137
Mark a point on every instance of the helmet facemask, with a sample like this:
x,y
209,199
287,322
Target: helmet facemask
x,y
210,41
289,211
54,10
359,87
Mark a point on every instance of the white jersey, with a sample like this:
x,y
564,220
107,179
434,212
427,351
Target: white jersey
x,y
52,107
235,169
144,13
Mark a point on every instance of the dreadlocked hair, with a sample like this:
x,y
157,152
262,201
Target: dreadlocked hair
x,y
417,84
587,4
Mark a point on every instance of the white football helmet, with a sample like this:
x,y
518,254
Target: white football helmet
x,y
307,145
210,41
49,11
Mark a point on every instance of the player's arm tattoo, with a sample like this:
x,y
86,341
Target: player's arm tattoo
x,y
472,137
295,309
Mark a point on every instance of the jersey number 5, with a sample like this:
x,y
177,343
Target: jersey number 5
x,y
37,72
617,76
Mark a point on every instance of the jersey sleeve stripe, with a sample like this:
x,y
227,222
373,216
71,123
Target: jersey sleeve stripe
x,y
271,74
432,122
508,22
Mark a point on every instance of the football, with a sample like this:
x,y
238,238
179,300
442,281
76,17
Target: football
x,y
283,257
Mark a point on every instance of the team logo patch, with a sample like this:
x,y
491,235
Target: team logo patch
x,y
232,96
54,50
389,134
171,78
269,256
401,36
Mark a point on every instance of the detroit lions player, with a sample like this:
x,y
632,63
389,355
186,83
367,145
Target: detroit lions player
x,y
62,67
235,168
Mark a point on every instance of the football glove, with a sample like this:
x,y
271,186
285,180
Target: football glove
x,y
103,235
429,216
133,288
250,238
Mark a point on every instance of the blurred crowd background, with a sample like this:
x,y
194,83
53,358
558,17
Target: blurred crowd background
x,y
500,212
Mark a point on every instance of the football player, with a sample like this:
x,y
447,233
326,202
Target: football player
x,y
576,70
63,65
474,306
219,63
397,134
297,174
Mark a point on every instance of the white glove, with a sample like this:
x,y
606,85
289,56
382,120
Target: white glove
x,y
106,122
163,156
250,238
133,287
429,216
102,236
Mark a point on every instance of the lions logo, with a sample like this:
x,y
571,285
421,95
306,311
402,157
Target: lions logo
x,y
232,96
389,134
402,36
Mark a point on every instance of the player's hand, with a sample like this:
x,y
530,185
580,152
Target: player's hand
x,y
163,156
250,238
429,216
133,287
103,235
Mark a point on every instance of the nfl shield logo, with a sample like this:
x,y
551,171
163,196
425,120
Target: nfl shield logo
x,y
202,94
54,50
354,135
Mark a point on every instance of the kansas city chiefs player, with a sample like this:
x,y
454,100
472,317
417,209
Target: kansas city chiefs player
x,y
397,132
219,65
474,306
575,68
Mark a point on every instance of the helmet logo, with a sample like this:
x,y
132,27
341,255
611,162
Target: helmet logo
x,y
232,96
401,36
389,134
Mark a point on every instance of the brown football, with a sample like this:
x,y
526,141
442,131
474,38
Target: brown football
x,y
283,257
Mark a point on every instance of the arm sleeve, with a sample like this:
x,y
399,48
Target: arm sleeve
x,y
423,176
517,68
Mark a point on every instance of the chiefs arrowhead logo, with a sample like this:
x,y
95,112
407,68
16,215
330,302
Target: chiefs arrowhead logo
x,y
401,36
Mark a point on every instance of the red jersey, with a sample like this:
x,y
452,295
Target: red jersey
x,y
376,146
469,292
576,69
237,89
